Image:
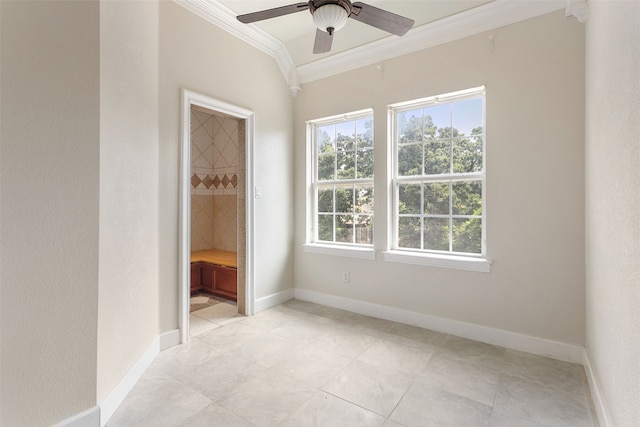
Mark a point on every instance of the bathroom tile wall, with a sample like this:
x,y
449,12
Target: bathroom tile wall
x,y
214,181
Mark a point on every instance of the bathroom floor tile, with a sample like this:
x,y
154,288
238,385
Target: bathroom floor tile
x,y
217,312
267,350
215,416
304,364
312,366
384,353
183,358
374,388
198,325
424,405
147,404
475,381
302,331
267,399
345,342
368,325
230,336
325,410
473,351
216,376
540,401
417,337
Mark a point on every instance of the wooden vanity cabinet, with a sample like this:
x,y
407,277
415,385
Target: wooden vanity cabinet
x,y
214,279
196,281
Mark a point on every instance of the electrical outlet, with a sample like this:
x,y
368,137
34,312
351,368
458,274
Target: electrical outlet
x,y
346,277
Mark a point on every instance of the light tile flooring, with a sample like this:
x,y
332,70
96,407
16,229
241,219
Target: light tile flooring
x,y
302,364
209,312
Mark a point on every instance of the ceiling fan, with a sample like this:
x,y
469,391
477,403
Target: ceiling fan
x,y
331,15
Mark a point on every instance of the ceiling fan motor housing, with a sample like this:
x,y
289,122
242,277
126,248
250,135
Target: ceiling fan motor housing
x,y
331,18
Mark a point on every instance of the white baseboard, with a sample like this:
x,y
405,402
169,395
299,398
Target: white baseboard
x,y
169,339
272,300
98,416
88,418
596,394
111,403
553,349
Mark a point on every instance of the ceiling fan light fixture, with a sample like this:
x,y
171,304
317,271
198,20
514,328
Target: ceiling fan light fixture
x,y
330,17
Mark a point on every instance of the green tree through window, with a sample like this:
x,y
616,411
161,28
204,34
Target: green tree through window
x,y
343,180
439,175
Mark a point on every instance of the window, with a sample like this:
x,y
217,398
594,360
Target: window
x,y
342,180
439,175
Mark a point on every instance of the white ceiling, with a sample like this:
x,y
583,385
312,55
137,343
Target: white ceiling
x,y
297,31
289,39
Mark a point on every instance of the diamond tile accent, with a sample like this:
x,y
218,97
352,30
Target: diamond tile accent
x,y
234,180
195,180
208,182
216,181
225,181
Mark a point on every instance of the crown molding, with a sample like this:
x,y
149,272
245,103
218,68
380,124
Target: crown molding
x,y
474,21
577,9
477,20
225,18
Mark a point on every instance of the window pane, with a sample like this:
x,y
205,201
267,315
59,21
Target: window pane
x,y
436,234
409,199
325,200
345,137
364,133
438,116
409,232
346,165
467,235
344,228
344,199
439,175
364,200
436,198
344,153
326,167
410,160
437,157
467,115
325,228
345,128
364,229
325,139
467,198
467,155
410,126
365,164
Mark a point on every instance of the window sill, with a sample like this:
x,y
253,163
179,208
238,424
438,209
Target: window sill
x,y
346,251
482,265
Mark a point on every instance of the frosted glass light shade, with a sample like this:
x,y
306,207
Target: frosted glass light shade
x,y
330,16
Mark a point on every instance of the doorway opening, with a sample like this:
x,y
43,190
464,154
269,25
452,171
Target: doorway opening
x,y
216,210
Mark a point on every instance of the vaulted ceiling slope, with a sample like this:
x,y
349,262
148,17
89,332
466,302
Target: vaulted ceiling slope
x,y
289,39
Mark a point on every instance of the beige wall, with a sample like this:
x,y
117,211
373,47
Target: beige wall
x,y
128,305
534,78
612,205
196,55
50,145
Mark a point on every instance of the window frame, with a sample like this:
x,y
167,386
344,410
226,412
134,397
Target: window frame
x,y
447,259
312,243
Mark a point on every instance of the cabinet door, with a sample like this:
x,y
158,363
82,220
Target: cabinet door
x,y
207,277
226,280
195,276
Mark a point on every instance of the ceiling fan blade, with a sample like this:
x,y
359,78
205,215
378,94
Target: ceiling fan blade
x,y
248,18
382,19
323,41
